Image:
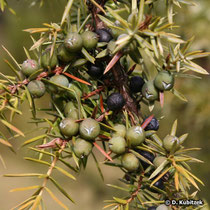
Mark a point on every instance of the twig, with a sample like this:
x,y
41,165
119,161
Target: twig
x,y
49,172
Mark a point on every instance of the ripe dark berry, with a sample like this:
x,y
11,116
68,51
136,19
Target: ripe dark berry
x,y
135,136
82,148
159,184
69,127
117,144
136,84
95,70
153,125
90,39
89,129
148,155
164,81
36,88
130,162
149,91
104,35
152,208
115,101
29,66
73,42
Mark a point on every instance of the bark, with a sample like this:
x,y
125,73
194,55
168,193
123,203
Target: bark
x,y
120,77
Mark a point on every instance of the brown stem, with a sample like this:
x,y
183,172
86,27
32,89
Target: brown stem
x,y
120,77
121,80
134,194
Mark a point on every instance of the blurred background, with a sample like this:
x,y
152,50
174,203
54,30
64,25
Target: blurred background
x,y
89,190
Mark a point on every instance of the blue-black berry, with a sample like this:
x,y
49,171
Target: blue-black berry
x,y
148,155
115,101
104,35
153,125
136,84
152,208
95,70
159,184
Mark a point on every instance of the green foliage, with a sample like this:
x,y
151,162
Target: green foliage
x,y
144,44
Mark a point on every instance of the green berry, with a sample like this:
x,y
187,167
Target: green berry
x,y
130,162
162,207
69,127
90,39
48,62
71,111
135,136
169,141
149,91
82,148
58,101
75,89
29,66
89,129
59,80
73,42
120,130
117,144
64,55
158,161
164,81
21,76
36,88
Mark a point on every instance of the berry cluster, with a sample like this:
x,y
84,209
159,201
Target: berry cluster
x,y
97,78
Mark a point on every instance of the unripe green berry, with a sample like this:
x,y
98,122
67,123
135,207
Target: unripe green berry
x,y
89,129
130,162
48,62
60,80
64,55
29,66
158,161
135,136
120,130
69,127
117,144
75,88
164,81
169,141
82,148
90,39
73,42
149,91
70,111
36,88
21,76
